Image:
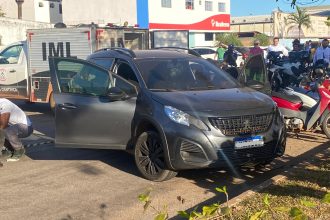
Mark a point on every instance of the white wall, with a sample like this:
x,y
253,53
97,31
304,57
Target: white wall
x,y
12,30
10,8
99,11
178,14
46,13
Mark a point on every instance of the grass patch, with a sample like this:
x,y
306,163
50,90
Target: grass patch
x,y
304,188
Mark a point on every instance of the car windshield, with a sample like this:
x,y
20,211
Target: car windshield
x,y
168,74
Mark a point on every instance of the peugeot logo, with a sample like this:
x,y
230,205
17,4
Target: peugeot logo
x,y
246,124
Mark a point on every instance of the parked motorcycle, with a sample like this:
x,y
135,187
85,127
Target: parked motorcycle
x,y
297,117
300,111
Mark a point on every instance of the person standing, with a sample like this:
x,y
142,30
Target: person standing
x,y
14,124
219,53
322,52
255,67
230,56
276,47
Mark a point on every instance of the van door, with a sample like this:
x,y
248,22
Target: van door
x,y
13,72
254,74
85,115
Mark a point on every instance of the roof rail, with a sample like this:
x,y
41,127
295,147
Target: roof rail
x,y
121,50
189,51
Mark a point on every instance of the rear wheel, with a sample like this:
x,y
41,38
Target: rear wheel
x,y
149,157
326,125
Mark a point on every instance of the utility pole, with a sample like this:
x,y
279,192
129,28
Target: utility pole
x,y
19,7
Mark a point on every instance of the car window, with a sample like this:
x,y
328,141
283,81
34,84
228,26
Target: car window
x,y
254,71
104,62
126,72
82,78
128,88
183,74
11,55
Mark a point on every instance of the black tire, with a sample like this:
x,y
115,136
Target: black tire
x,y
326,125
52,103
149,157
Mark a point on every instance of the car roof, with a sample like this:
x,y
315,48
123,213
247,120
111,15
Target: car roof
x,y
140,54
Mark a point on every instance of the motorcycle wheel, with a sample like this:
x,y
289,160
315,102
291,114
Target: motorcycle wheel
x,y
326,125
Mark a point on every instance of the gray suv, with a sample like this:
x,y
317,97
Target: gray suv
x,y
176,111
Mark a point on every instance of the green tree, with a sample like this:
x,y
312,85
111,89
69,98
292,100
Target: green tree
x,y
327,22
2,14
263,38
301,18
228,38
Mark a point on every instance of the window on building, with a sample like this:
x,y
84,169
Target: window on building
x,y
190,4
60,8
222,7
52,5
208,6
208,36
41,4
166,4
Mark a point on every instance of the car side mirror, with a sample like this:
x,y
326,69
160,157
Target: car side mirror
x,y
116,94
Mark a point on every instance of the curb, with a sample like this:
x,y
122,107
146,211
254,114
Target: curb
x,y
236,200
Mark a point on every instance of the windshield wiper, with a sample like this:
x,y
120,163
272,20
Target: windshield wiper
x,y
201,88
163,90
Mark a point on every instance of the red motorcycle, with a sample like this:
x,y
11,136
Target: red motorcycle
x,y
299,117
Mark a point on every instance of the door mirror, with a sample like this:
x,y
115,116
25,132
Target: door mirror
x,y
116,94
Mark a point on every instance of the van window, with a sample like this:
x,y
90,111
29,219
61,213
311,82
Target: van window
x,y
11,55
104,62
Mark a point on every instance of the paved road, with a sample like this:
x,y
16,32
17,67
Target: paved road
x,y
54,183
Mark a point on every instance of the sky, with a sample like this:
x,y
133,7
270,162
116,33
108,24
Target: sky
x,y
263,7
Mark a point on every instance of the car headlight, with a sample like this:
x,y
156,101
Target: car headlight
x,y
183,118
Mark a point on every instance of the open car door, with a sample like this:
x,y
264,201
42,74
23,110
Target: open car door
x,y
94,108
254,74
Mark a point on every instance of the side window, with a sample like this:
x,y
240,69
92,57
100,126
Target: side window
x,y
82,78
124,86
126,72
254,71
11,55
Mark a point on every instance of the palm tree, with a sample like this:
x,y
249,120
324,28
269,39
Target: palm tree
x,y
301,18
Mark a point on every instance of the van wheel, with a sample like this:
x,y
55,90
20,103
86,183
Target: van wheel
x,y
52,103
149,157
326,125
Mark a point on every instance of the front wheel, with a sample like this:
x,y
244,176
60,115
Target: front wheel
x,y
149,157
326,125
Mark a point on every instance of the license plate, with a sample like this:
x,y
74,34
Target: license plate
x,y
248,142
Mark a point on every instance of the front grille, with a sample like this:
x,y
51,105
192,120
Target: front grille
x,y
246,124
237,156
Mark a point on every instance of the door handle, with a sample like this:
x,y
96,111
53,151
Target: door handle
x,y
12,71
67,106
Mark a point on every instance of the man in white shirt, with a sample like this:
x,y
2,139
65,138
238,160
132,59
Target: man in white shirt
x,y
323,52
14,124
276,47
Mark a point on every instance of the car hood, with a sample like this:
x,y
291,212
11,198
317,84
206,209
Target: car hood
x,y
237,101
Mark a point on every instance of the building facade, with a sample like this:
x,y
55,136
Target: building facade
x,y
202,18
49,11
276,25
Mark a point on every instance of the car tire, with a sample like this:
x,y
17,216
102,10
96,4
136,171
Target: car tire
x,y
149,157
326,125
